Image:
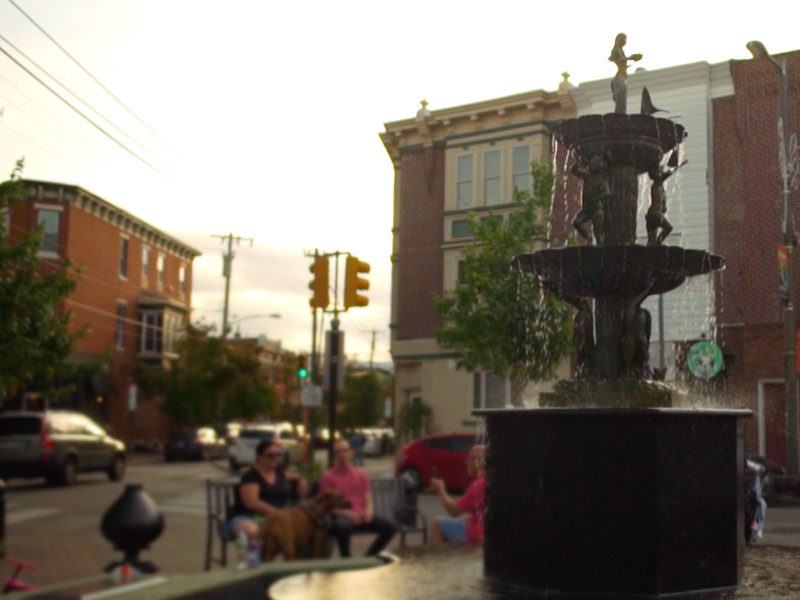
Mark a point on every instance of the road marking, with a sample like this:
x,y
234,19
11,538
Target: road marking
x,y
20,516
192,504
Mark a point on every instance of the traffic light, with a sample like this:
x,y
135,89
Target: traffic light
x,y
302,366
353,283
319,285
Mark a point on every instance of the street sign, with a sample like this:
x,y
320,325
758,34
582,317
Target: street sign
x,y
311,395
704,360
783,275
133,396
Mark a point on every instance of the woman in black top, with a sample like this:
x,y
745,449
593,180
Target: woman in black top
x,y
263,489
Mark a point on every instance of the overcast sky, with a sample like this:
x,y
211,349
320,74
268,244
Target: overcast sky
x,y
273,110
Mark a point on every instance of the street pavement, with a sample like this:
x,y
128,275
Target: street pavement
x,y
58,529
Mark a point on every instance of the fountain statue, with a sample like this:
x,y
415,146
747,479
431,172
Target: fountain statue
x,y
609,489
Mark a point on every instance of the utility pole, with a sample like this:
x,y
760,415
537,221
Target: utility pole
x,y
227,264
374,332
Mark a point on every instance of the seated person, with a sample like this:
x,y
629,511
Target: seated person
x,y
355,486
264,488
449,529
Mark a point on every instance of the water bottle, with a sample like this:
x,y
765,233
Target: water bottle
x,y
253,553
241,550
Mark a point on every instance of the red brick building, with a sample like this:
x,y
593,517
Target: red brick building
x,y
134,295
748,209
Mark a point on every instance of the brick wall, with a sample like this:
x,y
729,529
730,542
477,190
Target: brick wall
x,y
93,245
419,258
748,212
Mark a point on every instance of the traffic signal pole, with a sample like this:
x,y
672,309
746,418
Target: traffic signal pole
x,y
353,284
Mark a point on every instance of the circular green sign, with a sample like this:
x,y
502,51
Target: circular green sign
x,y
704,360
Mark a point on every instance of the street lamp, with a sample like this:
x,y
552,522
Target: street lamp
x,y
231,323
758,50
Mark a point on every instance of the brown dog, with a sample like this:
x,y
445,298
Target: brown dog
x,y
290,531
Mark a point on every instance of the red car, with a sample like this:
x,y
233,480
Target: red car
x,y
447,453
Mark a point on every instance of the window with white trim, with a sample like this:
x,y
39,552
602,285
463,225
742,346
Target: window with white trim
x,y
490,391
182,279
492,177
123,257
160,269
464,181
521,168
120,333
50,220
152,325
145,263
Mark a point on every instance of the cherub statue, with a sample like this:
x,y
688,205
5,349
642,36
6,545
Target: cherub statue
x,y
583,338
619,85
595,192
635,343
655,218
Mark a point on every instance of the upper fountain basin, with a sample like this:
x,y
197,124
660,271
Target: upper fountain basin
x,y
622,139
593,271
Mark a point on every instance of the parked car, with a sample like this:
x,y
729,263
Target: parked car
x,y
200,443
57,445
447,453
380,441
242,450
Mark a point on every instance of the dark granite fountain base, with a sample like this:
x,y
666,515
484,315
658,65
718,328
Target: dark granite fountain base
x,y
615,503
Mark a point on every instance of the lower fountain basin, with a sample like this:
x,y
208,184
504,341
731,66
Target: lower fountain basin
x,y
615,503
618,393
593,271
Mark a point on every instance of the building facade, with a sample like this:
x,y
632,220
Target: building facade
x,y
749,226
449,163
133,296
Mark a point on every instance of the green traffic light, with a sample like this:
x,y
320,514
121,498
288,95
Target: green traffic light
x,y
302,373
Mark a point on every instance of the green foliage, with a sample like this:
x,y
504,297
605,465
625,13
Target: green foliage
x,y
313,470
210,381
415,419
35,337
501,320
362,400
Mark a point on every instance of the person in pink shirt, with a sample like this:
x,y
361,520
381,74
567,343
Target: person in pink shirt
x,y
355,486
450,529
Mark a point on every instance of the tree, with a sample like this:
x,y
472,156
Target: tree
x,y
35,337
210,381
499,319
361,400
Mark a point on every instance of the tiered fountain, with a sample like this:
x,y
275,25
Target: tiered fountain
x,y
608,490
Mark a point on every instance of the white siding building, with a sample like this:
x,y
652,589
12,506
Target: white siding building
x,y
686,92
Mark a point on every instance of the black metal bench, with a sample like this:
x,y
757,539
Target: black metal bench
x,y
389,501
388,498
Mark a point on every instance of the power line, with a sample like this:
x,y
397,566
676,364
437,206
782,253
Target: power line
x,y
82,101
34,102
85,70
66,141
45,149
103,131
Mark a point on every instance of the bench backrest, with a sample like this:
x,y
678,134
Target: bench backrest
x,y
388,498
220,497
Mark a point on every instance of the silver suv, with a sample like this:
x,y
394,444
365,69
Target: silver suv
x,y
56,445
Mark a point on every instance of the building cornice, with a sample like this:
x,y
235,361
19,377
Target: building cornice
x,y
50,191
519,110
